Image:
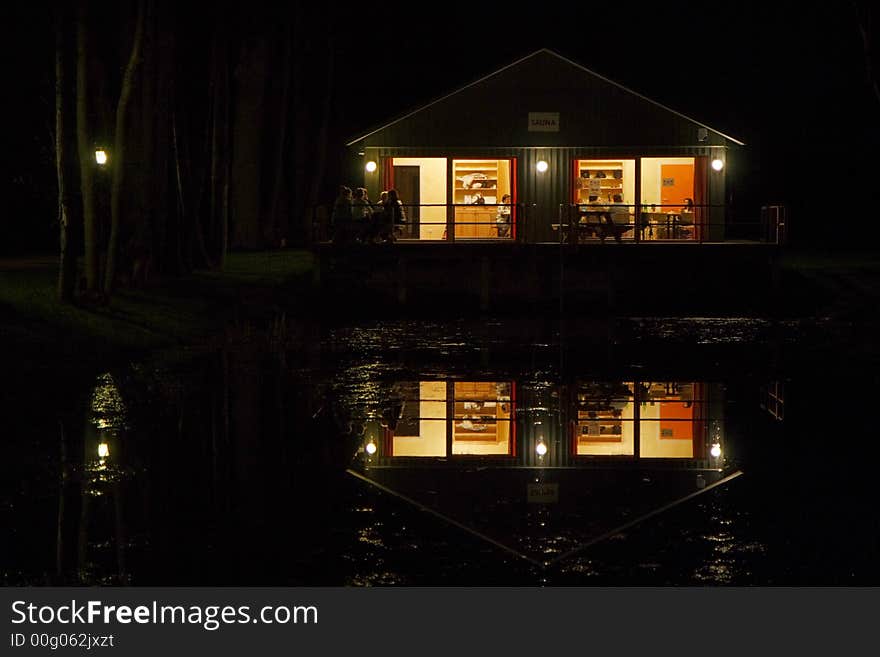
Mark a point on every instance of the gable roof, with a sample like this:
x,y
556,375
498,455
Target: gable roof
x,y
543,51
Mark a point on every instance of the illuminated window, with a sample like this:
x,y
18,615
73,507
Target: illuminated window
x,y
481,423
604,419
671,421
668,185
479,188
482,418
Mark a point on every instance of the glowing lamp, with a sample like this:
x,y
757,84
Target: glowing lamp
x,y
371,166
715,450
542,166
717,164
541,448
103,450
100,156
371,448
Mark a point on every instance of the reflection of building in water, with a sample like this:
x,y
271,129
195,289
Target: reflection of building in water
x,y
581,423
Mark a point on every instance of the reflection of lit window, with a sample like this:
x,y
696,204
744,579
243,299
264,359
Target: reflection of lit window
x,y
482,418
604,422
481,421
671,419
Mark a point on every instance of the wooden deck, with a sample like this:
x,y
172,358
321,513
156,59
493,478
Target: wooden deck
x,y
465,277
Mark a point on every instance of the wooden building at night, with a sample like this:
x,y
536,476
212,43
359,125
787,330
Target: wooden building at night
x,y
544,182
549,133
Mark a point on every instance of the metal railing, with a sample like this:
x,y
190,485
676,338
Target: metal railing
x,y
425,222
575,224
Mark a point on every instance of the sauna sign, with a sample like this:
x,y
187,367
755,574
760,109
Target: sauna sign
x,y
542,493
543,121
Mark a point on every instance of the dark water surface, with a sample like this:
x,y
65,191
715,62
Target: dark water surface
x,y
228,464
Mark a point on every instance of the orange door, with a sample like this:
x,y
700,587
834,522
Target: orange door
x,y
676,184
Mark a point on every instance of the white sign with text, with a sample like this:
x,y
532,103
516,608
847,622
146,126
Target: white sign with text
x,y
543,121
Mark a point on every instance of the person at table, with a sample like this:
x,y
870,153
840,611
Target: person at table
x,y
502,217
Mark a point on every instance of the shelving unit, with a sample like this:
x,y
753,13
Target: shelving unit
x,y
479,415
608,174
489,178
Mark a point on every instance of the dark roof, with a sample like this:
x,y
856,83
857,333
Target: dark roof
x,y
542,51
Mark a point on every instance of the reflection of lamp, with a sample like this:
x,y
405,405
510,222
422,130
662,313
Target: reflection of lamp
x,y
541,447
103,450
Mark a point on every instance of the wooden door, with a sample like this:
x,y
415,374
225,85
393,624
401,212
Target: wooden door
x,y
676,184
406,180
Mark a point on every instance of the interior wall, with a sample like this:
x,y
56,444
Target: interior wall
x,y
432,189
650,443
651,183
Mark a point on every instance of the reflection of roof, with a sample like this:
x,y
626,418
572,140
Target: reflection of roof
x,y
527,57
491,503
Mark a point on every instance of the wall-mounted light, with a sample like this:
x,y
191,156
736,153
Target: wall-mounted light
x,y
717,164
541,447
542,166
100,156
715,451
371,166
371,448
103,450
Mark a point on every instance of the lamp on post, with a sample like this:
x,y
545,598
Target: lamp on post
x,y
101,155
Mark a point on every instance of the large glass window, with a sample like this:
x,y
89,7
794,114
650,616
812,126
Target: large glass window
x,y
604,422
671,419
476,416
604,193
669,202
420,428
421,187
482,418
481,193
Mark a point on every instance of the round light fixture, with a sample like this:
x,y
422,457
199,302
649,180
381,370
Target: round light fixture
x,y
371,448
541,448
371,166
542,166
717,164
715,451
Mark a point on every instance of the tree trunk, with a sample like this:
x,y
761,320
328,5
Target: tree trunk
x,y
119,149
865,25
249,130
86,154
324,132
66,212
273,226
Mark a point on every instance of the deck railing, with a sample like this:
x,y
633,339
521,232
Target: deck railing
x,y
573,224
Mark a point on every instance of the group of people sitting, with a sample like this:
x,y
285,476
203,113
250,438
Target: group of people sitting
x,y
356,219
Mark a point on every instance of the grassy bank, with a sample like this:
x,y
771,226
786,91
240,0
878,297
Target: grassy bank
x,y
837,284
167,313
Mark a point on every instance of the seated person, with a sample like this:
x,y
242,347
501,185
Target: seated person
x,y
619,211
502,217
